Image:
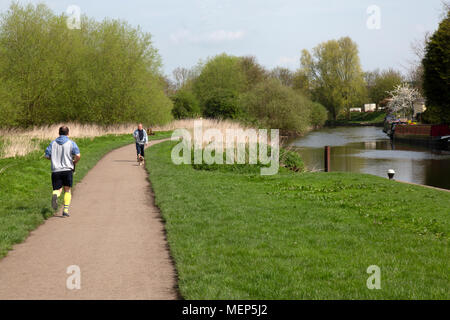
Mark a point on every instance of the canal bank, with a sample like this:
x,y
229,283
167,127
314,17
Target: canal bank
x,y
367,149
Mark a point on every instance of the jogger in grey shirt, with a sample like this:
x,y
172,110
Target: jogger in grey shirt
x,y
63,154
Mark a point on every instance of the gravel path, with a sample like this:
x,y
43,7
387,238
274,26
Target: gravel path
x,y
114,234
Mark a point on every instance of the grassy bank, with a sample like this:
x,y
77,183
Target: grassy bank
x,y
300,236
25,185
375,118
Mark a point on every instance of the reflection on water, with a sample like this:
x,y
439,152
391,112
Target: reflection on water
x,y
369,150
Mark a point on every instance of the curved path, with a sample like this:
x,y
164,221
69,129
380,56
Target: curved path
x,y
114,234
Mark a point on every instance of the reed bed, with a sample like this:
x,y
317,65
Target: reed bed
x,y
20,142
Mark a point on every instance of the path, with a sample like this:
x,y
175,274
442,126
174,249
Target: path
x,y
114,234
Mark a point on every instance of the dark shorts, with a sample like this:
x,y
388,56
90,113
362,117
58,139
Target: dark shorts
x,y
62,178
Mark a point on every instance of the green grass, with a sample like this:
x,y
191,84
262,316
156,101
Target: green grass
x,y
25,185
300,236
375,117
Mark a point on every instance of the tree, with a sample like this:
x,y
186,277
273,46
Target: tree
x,y
379,84
274,105
436,75
403,98
221,79
185,105
253,71
415,72
284,75
223,104
335,75
105,72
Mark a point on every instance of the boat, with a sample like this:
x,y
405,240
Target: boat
x,y
425,134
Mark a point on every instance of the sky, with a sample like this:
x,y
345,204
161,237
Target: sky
x,y
274,31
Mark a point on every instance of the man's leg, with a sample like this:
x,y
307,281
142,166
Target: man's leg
x,y
67,182
67,200
57,188
138,151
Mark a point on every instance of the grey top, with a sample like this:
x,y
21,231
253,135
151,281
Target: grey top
x,y
61,151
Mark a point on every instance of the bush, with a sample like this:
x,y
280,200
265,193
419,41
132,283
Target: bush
x,y
105,72
185,105
291,160
319,114
221,80
277,106
288,159
224,104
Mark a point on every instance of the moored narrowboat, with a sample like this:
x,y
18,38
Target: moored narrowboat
x,y
428,134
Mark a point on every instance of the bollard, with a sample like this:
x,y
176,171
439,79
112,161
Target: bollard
x,y
327,158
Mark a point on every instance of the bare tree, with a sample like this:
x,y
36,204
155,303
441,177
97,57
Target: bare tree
x,y
415,70
285,75
181,76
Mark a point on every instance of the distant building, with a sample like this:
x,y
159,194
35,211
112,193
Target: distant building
x,y
355,109
370,107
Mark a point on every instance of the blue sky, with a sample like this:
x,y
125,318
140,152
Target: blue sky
x,y
275,31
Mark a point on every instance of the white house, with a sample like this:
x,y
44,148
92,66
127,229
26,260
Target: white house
x,y
370,107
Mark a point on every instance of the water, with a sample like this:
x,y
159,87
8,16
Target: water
x,y
369,150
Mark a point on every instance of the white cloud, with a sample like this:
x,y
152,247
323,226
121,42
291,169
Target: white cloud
x,y
185,35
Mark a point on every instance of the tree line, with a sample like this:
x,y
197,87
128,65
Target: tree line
x,y
109,72
328,83
105,72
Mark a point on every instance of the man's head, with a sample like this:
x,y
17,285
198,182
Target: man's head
x,y
64,131
140,126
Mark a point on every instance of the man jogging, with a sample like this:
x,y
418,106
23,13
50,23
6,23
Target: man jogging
x,y
140,135
63,154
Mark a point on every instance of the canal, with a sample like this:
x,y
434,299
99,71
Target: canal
x,y
369,150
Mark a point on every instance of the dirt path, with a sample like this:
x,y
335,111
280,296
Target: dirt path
x,y
114,234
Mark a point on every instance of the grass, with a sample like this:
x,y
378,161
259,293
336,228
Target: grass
x,y
300,236
25,185
363,118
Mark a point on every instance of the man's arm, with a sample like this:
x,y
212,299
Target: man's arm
x,y
145,137
76,158
75,153
48,151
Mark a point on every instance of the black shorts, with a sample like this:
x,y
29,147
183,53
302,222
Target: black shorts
x,y
62,178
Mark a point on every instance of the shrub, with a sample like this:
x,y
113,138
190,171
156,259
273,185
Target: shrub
x,y
319,114
277,106
224,104
185,105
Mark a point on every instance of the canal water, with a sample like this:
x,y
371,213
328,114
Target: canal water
x,y
369,150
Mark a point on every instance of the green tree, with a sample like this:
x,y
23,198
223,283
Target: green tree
x,y
335,75
381,83
274,105
436,76
185,105
319,114
106,72
284,75
254,73
221,79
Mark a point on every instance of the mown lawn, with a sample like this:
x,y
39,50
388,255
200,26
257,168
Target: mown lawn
x,y
363,117
25,185
300,236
